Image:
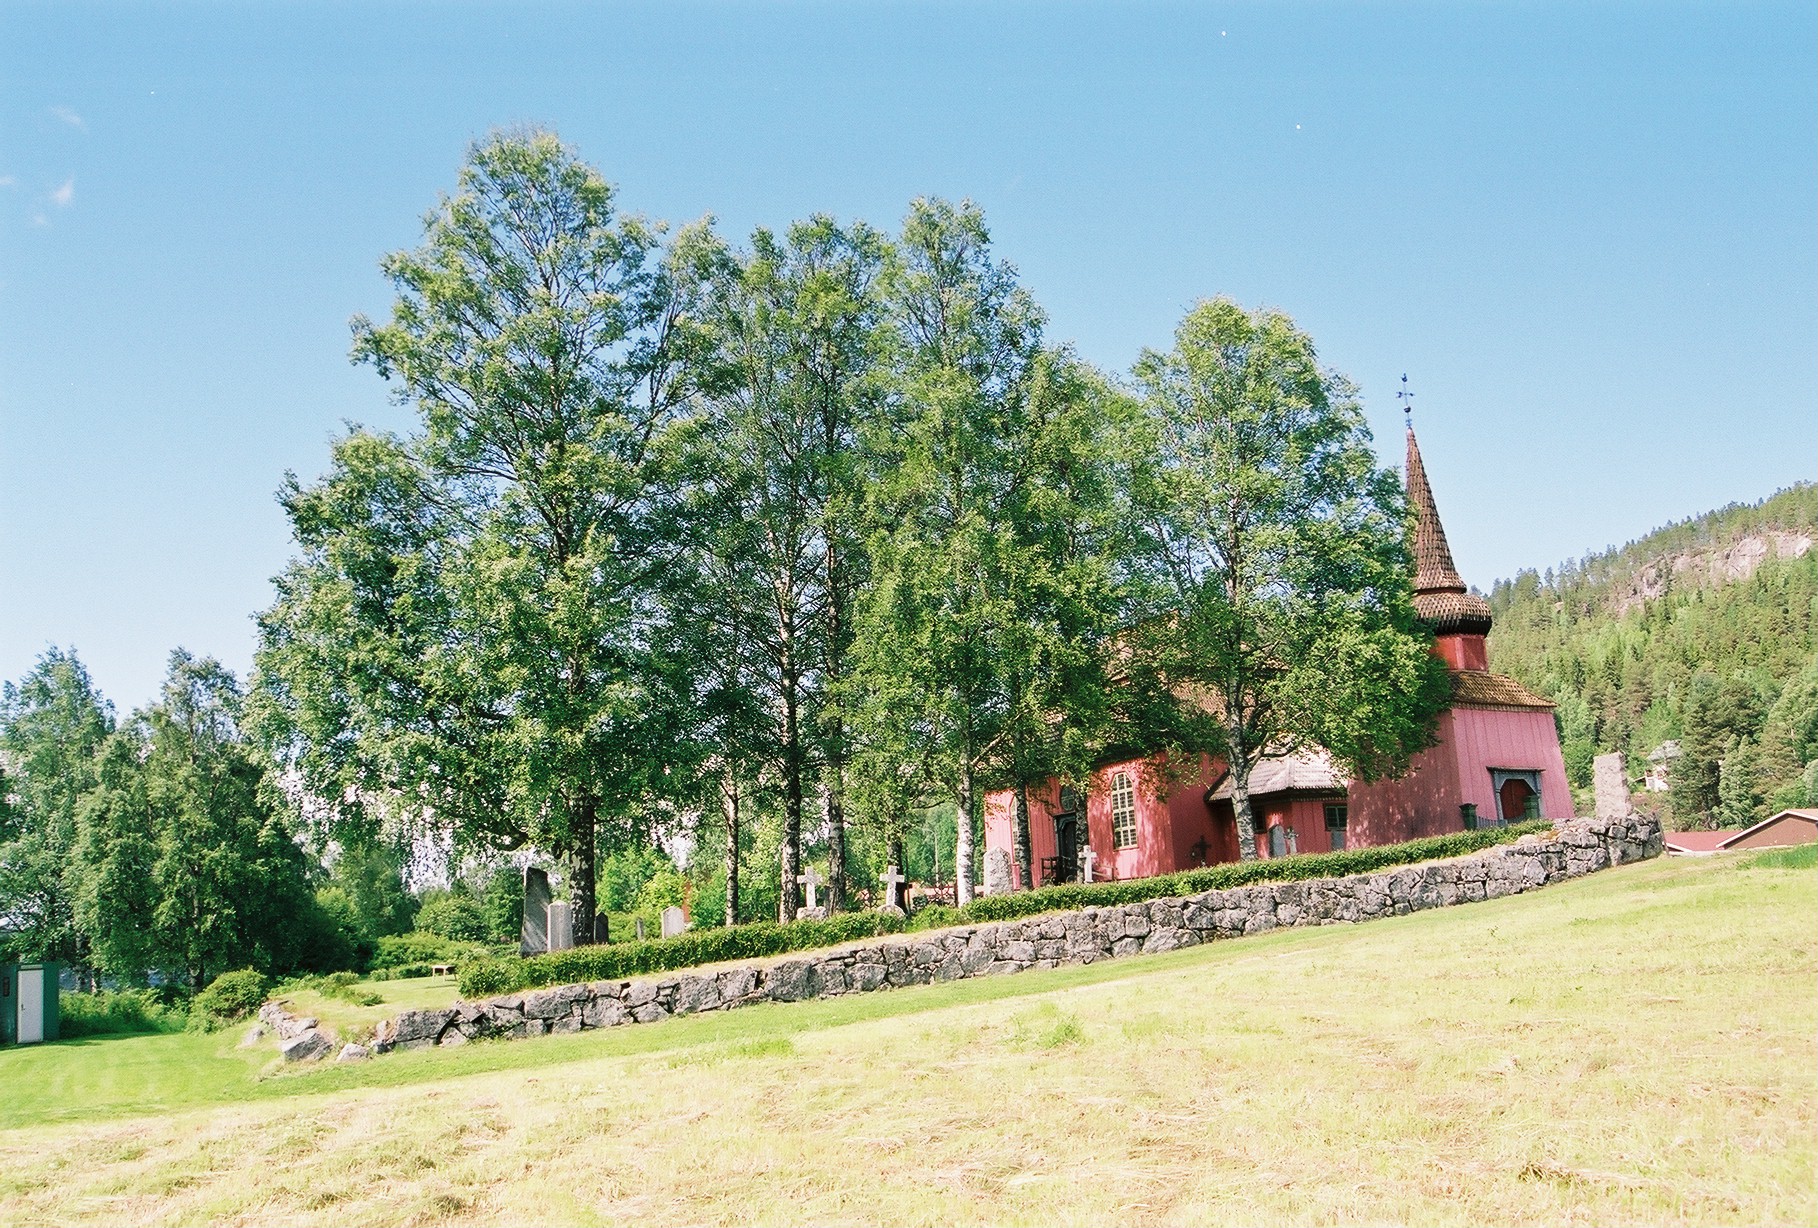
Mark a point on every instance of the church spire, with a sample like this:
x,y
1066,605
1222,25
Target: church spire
x,y
1440,596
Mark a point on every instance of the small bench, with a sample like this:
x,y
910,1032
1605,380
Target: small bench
x,y
441,969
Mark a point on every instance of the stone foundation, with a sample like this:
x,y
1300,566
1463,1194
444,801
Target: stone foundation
x,y
1575,848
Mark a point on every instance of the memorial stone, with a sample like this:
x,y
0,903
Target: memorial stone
x,y
533,939
561,925
997,871
1610,777
674,921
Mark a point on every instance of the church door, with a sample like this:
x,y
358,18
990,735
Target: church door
x,y
1514,798
1066,848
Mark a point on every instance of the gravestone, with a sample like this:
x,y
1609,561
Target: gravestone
x,y
1086,858
533,939
997,871
813,881
561,925
674,921
893,881
1610,779
602,932
637,925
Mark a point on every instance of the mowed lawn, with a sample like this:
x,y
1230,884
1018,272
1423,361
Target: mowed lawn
x,y
1637,1047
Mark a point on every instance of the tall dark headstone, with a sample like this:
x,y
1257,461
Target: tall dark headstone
x,y
602,933
534,939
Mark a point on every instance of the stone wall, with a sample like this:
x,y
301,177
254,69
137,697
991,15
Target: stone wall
x,y
1575,848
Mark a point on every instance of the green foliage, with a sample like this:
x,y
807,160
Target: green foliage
x,y
464,625
117,1012
1652,641
1278,589
455,915
686,950
52,724
503,902
666,889
618,960
231,996
1798,857
343,985
183,859
405,950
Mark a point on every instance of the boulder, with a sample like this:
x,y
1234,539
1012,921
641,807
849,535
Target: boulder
x,y
353,1053
307,1046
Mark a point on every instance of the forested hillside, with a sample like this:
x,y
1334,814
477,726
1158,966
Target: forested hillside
x,y
1702,632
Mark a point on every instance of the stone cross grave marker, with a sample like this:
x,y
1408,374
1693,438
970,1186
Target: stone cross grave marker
x,y
533,939
1085,862
674,921
893,881
814,883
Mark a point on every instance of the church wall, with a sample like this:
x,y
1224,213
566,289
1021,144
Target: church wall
x,y
1390,811
1524,740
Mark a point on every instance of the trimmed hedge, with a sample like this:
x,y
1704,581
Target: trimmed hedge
x,y
617,961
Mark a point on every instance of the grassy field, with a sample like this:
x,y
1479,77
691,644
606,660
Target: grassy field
x,y
1640,1046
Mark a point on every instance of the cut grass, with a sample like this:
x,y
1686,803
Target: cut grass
x,y
1634,1047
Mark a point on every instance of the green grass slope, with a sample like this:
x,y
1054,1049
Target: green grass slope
x,y
1632,1047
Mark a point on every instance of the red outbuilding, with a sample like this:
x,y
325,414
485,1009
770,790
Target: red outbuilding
x,y
1496,757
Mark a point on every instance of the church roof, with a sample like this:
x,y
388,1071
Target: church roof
x,y
1307,770
1479,688
1440,596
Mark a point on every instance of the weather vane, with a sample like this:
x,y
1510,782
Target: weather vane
x,y
1407,401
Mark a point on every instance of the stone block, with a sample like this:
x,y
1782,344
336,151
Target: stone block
x,y
794,980
353,1053
603,1013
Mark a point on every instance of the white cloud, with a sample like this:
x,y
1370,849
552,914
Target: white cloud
x,y
63,195
69,117
7,181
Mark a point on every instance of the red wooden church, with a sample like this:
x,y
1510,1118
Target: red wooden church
x,y
1497,758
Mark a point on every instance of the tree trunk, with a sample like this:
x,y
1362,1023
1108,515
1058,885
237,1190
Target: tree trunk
x,y
581,872
835,814
1020,840
1240,806
791,860
729,807
962,841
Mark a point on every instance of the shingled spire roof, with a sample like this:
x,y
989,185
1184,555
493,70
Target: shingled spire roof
x,y
1440,596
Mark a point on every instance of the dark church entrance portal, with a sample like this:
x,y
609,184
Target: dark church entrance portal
x,y
1063,867
1517,795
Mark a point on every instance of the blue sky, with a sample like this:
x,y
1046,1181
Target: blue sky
x,y
1589,234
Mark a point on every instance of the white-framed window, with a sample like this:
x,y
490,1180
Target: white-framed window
x,y
1123,811
1338,819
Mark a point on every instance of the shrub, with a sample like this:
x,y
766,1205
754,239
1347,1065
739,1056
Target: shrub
x,y
230,996
454,915
486,977
117,1012
402,950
